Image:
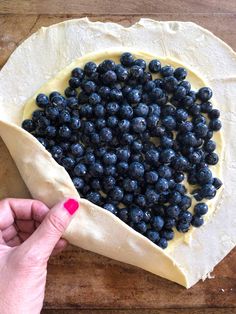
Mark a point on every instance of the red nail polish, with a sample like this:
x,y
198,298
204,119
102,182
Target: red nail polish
x,y
71,206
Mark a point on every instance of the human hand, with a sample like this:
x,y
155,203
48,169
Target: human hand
x,y
29,234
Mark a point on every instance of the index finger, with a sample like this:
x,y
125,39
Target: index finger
x,y
22,209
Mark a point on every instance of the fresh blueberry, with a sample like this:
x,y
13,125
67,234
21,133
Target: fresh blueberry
x,y
136,214
140,200
78,183
204,175
141,110
90,68
80,170
109,158
157,223
154,66
123,214
167,70
51,131
57,152
136,72
109,183
162,243
109,77
74,82
197,221
94,197
116,194
156,94
128,198
215,125
179,176
136,170
212,159
167,155
105,135
28,125
136,146
153,236
152,197
42,101
185,202
170,223
204,94
127,59
134,96
208,191
121,72
214,114
200,209
96,169
95,184
152,156
168,234
185,216
88,87
64,131
217,183
130,185
111,208
180,74
126,112
110,170
78,72
122,167
162,185
173,211
183,226
116,94
70,92
175,198
151,177
170,84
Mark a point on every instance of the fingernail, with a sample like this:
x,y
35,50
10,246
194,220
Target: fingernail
x,y
71,206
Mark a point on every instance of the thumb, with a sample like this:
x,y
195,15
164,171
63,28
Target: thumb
x,y
46,236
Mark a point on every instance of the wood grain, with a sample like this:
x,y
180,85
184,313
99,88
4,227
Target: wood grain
x,y
122,7
84,282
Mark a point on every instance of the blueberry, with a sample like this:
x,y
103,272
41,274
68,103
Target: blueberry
x,y
151,177
70,92
173,211
90,68
156,94
89,158
95,184
208,191
111,208
167,155
42,122
212,159
214,114
78,72
116,94
74,82
165,172
179,176
96,169
109,77
204,175
134,96
152,197
64,131
179,93
80,170
157,223
209,146
75,123
112,122
104,92
162,185
124,125
200,209
42,100
194,109
78,183
138,124
130,185
112,108
215,125
185,202
100,124
136,214
168,234
51,131
206,107
185,216
77,150
141,110
152,121
136,146
197,221
217,183
204,94
186,126
126,112
189,139
127,59
181,115
105,135
209,135
154,66
141,227
57,152
175,198
88,87
186,85
166,142
170,223
122,167
109,158
162,243
169,123
123,154
180,73
28,125
152,156
128,199
140,200
136,170
109,183
123,214
170,84
167,71
121,72
195,157
116,193
183,226
94,197
65,146
110,170
106,65
153,235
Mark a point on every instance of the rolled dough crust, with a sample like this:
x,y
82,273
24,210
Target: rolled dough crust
x,y
35,61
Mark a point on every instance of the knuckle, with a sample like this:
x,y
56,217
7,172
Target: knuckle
x,y
57,223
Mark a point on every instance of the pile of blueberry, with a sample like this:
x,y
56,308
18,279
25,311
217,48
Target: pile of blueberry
x,y
128,141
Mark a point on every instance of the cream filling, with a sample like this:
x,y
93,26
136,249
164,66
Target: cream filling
x,y
60,82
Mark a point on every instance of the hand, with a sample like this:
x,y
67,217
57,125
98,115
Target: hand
x,y
29,234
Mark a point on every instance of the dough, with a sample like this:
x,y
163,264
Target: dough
x,y
35,61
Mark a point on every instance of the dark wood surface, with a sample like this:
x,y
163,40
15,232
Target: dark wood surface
x,y
84,282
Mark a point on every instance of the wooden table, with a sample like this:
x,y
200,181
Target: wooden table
x,y
80,281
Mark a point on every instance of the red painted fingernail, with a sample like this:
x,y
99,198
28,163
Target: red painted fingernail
x,y
71,206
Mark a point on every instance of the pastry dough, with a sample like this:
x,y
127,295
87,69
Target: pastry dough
x,y
51,49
